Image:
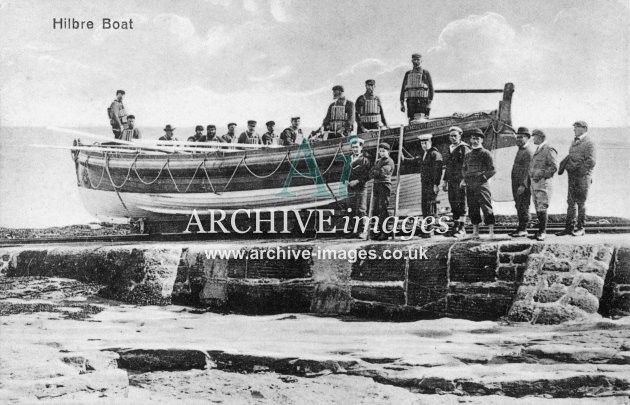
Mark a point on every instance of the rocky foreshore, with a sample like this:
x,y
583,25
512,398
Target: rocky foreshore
x,y
61,343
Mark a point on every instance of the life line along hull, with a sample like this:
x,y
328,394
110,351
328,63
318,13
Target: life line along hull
x,y
143,186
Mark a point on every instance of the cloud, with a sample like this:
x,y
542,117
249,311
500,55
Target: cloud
x,y
283,71
278,10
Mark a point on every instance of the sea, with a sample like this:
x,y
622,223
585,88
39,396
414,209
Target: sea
x,y
38,186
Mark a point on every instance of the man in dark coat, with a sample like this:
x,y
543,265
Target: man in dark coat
x,y
417,89
250,136
132,132
290,135
543,166
579,165
339,118
199,136
231,133
382,175
168,134
117,115
477,169
269,137
520,180
369,111
359,176
211,136
453,180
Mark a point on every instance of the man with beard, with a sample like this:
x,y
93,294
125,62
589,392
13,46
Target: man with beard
x,y
520,180
340,115
417,90
211,136
541,169
199,136
369,111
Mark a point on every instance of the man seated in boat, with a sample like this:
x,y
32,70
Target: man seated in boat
x,y
417,90
199,136
339,118
369,111
250,136
117,115
290,135
212,134
168,134
229,137
269,137
131,132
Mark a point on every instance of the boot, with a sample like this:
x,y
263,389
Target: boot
x,y
475,234
461,230
542,225
491,231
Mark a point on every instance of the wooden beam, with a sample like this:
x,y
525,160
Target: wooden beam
x,y
469,91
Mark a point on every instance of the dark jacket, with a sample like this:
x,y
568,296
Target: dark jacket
x,y
426,79
454,163
581,158
359,108
544,163
478,166
202,138
520,168
348,125
289,135
382,170
431,166
360,171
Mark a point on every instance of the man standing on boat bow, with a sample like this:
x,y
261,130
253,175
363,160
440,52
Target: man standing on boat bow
x,y
417,89
117,115
340,116
369,109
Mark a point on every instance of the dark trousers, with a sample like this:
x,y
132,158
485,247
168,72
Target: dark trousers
x,y
522,203
428,201
367,125
457,199
117,131
578,192
358,203
382,192
417,105
479,200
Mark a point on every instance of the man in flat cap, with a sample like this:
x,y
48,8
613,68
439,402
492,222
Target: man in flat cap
x,y
520,180
369,111
359,176
231,134
269,137
340,115
579,165
477,169
290,135
382,188
417,89
430,164
543,166
249,136
211,134
117,115
168,134
457,150
198,136
131,132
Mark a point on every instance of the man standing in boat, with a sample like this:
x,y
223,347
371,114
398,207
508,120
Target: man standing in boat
x,y
520,180
477,169
290,135
382,188
229,137
249,136
340,115
417,90
168,134
430,164
269,137
117,115
453,179
579,165
541,169
369,111
359,176
131,132
211,136
199,136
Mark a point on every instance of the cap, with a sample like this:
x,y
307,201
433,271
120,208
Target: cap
x,y
295,118
355,139
582,124
539,133
270,123
523,131
338,87
384,145
169,128
231,123
211,127
425,137
477,133
131,117
370,82
416,56
120,92
455,128
199,128
251,122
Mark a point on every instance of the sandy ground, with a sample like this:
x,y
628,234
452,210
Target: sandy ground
x,y
59,343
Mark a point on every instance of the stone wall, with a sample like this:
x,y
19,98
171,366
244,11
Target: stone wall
x,y
479,280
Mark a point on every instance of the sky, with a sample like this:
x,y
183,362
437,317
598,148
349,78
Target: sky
x,y
216,61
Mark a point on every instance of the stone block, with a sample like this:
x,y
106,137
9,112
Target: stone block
x,y
269,298
513,247
559,278
604,254
559,251
553,314
505,258
585,251
622,266
520,258
383,294
506,273
520,272
556,265
331,299
526,292
522,311
428,279
287,263
478,307
551,294
329,270
473,262
594,266
591,283
584,300
379,269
